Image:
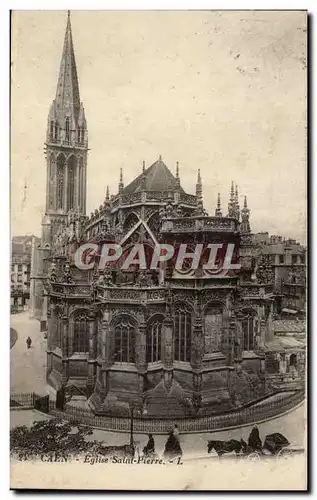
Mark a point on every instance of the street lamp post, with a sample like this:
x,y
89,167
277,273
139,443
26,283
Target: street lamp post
x,y
131,424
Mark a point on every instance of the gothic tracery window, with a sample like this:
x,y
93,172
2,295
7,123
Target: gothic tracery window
x,y
58,338
71,182
182,329
153,340
212,329
124,341
81,181
52,131
248,333
60,181
81,333
67,130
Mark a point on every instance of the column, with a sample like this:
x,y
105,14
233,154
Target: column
x,y
65,204
77,190
92,351
84,187
197,344
65,347
51,321
43,323
168,350
225,331
71,335
141,355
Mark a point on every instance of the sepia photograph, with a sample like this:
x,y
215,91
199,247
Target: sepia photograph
x,y
158,177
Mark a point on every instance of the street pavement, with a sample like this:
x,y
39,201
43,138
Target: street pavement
x,y
28,368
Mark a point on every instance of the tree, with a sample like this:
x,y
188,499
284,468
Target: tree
x,y
51,436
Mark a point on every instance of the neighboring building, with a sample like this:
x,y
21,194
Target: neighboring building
x,y
288,260
20,269
286,354
185,342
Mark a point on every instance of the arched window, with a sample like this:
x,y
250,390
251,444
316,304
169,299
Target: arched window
x,y
60,182
52,131
56,131
248,333
67,130
153,340
182,328
212,329
124,341
81,182
71,182
81,333
58,338
51,180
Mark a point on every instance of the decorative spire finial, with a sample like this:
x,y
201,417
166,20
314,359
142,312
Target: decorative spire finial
x,y
68,15
177,170
143,167
218,212
199,193
107,194
121,181
160,157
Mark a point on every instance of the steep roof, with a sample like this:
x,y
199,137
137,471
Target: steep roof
x,y
158,178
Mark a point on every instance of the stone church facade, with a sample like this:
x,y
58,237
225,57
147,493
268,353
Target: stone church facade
x,y
186,342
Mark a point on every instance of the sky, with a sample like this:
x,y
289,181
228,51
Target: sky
x,y
222,91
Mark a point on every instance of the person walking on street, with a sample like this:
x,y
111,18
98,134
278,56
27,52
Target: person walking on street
x,y
28,342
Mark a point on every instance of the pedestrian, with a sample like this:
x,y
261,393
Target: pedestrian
x,y
254,440
28,342
176,432
150,447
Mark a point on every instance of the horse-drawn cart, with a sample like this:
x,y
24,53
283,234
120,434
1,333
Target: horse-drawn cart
x,y
275,445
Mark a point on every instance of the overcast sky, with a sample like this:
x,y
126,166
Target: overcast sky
x,y
221,91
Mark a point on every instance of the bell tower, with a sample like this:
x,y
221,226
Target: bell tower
x,y
66,139
66,150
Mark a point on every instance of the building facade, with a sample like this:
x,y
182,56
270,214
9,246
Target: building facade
x,y
171,342
21,252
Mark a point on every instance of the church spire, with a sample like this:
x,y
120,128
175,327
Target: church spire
x,y
67,92
66,138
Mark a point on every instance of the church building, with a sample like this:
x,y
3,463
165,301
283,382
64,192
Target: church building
x,y
178,342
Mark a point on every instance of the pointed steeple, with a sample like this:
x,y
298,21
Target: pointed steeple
x,y
218,212
121,185
67,92
66,138
107,194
